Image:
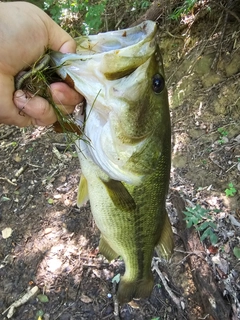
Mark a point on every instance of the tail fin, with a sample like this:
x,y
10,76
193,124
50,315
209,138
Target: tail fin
x,y
128,290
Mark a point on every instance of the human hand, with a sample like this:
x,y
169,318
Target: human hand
x,y
25,32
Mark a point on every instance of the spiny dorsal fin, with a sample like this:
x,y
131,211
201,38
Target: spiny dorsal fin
x,y
82,196
106,250
119,195
165,244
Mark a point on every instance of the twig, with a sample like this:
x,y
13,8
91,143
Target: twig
x,y
20,171
115,302
29,199
234,165
7,134
9,181
174,298
21,301
59,315
228,11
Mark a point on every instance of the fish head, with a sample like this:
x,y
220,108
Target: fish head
x,y
120,73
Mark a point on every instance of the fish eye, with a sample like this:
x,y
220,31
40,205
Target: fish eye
x,y
158,83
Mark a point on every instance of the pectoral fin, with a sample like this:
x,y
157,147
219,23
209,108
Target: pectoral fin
x,y
106,250
82,196
165,244
119,195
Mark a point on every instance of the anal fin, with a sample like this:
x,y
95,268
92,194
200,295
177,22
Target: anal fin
x,y
106,250
165,244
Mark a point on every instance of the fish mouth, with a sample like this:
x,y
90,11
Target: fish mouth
x,y
120,52
115,40
110,70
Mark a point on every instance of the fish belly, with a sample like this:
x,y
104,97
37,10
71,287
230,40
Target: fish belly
x,y
128,231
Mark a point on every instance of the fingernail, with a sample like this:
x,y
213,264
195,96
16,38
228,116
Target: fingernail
x,y
20,98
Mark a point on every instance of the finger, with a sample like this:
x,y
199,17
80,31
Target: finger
x,y
35,107
9,114
65,97
40,110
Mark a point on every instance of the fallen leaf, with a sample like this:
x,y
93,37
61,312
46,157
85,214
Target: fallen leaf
x,y
236,251
43,298
213,249
5,198
133,304
234,220
85,298
6,233
116,278
17,158
50,201
57,196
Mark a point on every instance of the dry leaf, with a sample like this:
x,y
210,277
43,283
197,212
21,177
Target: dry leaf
x,y
6,233
17,158
85,298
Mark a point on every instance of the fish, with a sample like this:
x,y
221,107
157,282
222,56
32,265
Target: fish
x,y
126,156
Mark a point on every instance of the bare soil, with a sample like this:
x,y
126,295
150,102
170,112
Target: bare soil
x,y
54,245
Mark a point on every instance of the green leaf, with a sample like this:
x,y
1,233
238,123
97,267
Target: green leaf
x,y
43,298
50,201
236,251
116,278
5,199
189,224
39,313
203,226
205,234
213,238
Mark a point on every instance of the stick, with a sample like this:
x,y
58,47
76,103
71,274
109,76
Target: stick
x,y
21,301
174,298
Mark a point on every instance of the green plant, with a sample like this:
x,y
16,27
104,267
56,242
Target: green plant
x,y
236,251
230,191
201,219
184,9
92,13
223,133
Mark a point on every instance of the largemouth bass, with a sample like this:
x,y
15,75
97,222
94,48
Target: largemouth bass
x,y
126,164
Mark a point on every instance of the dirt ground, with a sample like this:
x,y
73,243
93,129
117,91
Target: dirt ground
x,y
47,243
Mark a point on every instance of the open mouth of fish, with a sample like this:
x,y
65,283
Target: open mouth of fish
x,y
109,70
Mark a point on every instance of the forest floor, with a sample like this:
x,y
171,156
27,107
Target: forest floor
x,y
48,244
